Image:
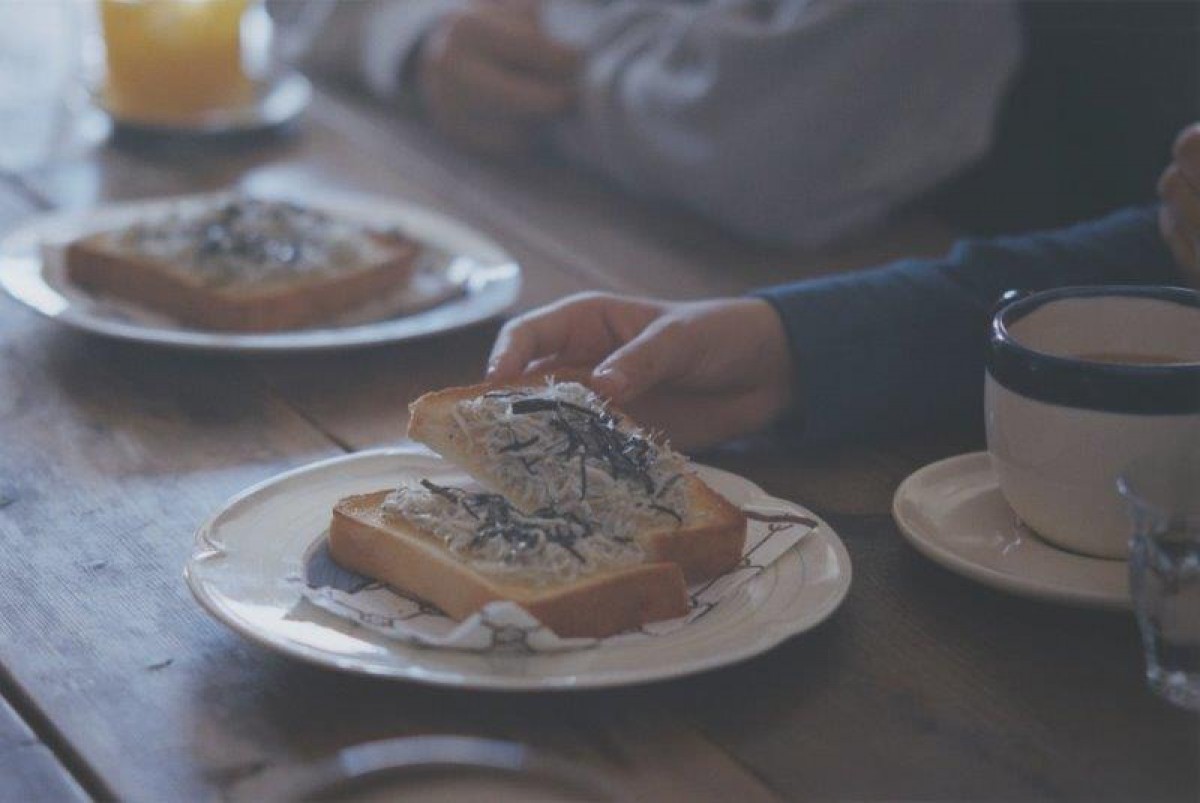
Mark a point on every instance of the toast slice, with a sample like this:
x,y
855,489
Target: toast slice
x,y
367,535
546,444
244,265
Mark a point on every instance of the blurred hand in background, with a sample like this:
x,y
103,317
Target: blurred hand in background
x,y
701,372
1179,216
490,77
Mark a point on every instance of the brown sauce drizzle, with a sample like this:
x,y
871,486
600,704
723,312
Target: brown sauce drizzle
x,y
780,518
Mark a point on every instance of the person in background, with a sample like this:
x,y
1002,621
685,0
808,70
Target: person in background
x,y
1103,89
867,354
789,121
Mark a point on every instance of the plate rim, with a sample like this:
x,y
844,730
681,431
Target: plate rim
x,y
505,286
771,636
981,573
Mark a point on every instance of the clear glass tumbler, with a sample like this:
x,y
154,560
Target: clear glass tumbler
x,y
1163,496
45,112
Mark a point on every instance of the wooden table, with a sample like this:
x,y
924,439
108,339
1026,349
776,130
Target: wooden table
x,y
115,684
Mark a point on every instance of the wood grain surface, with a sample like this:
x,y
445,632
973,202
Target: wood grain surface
x,y
923,686
29,770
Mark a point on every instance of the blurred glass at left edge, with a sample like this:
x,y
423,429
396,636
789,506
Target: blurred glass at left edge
x,y
67,65
47,53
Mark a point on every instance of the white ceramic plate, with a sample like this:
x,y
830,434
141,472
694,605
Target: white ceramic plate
x,y
275,104
247,571
953,512
485,278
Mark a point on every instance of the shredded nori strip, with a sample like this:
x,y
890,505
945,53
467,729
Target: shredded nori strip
x,y
596,434
446,492
517,446
522,534
668,511
590,434
669,484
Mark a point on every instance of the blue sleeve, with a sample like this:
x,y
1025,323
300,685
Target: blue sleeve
x,y
900,347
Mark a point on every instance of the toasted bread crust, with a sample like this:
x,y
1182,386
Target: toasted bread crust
x,y
278,305
709,545
364,539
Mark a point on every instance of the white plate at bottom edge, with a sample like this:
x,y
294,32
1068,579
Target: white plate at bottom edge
x,y
953,512
247,568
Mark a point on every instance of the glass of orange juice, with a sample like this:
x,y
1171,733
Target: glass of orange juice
x,y
173,61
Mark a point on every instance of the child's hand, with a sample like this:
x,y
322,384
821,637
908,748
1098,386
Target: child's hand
x,y
701,372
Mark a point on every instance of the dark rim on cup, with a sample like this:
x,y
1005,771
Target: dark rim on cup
x,y
1149,389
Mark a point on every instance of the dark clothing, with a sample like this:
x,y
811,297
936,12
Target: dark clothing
x,y
901,347
1087,127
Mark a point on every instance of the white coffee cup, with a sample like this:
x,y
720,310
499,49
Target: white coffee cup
x,y
1081,382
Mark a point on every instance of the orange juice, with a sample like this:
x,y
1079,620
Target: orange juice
x,y
174,59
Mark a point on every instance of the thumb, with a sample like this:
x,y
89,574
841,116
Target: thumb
x,y
655,356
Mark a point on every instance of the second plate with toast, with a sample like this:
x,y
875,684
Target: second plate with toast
x,y
446,276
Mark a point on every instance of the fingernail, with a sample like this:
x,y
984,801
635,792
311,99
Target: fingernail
x,y
612,381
